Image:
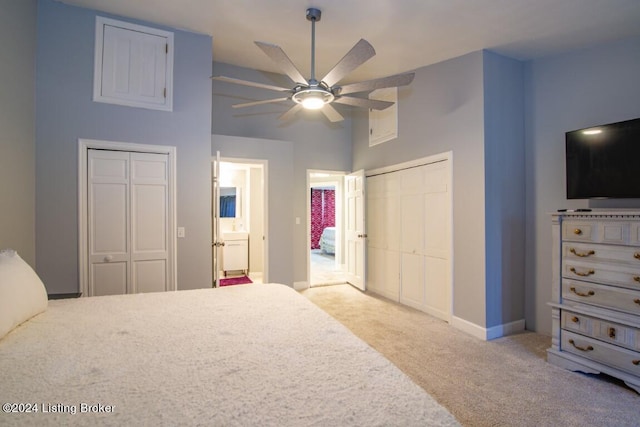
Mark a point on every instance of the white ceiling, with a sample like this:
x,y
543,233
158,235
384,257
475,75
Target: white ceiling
x,y
407,34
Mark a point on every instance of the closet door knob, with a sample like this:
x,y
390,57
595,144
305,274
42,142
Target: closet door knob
x,y
108,258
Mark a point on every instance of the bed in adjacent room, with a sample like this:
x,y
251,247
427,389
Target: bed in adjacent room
x,y
258,354
328,240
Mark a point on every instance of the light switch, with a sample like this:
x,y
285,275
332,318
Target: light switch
x,y
180,231
297,220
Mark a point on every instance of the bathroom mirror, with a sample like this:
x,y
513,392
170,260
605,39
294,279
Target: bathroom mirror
x,y
229,202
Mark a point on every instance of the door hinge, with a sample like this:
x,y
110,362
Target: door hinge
x,y
166,48
165,92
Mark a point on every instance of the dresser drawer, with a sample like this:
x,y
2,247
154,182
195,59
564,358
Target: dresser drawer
x,y
610,355
588,252
626,300
635,233
603,330
574,230
612,232
626,276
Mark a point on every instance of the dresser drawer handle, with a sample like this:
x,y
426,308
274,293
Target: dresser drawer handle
x,y
581,254
573,343
636,278
637,301
636,255
577,231
612,332
636,362
574,319
582,294
589,273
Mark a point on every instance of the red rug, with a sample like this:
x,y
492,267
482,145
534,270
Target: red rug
x,y
242,280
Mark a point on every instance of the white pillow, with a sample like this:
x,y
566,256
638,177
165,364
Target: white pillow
x,y
22,293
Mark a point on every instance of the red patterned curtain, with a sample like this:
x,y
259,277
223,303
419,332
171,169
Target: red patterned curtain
x,y
323,213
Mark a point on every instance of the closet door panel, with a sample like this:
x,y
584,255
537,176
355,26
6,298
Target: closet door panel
x,y
149,222
436,225
412,224
412,280
391,278
108,222
437,300
108,278
376,230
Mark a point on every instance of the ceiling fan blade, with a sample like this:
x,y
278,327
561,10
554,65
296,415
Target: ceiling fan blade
x,y
361,102
358,55
291,112
266,101
384,82
248,83
331,113
278,56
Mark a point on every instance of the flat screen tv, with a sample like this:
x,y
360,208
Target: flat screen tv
x,y
603,162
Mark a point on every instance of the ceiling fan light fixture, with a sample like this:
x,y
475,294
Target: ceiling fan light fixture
x,y
313,98
313,103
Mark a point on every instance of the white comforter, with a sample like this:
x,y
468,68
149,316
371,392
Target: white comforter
x,y
241,355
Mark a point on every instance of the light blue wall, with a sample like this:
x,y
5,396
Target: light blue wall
x,y
567,92
17,127
472,106
315,143
65,112
443,110
504,188
280,184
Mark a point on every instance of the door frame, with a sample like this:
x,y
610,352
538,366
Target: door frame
x,y
265,207
84,145
339,198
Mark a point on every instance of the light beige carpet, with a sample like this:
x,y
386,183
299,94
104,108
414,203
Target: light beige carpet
x,y
504,382
324,271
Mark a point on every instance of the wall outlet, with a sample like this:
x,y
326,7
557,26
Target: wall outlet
x,y
180,231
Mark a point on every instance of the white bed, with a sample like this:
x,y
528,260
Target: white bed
x,y
246,355
328,240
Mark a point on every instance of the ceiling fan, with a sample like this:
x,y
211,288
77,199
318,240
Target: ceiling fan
x,y
316,94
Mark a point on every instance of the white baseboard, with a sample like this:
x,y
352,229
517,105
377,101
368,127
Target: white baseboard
x,y
487,334
505,329
299,286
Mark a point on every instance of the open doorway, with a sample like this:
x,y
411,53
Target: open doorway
x,y
241,208
325,228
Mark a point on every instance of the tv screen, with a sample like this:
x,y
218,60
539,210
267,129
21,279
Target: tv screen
x,y
604,161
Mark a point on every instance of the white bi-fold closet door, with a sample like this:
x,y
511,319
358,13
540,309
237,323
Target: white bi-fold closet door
x,y
127,222
409,236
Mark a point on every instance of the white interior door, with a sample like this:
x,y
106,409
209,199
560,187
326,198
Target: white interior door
x,y
128,226
355,234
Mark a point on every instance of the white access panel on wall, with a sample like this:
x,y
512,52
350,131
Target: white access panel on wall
x,y
127,218
383,124
133,65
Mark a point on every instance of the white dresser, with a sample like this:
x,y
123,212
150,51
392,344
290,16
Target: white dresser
x,y
596,293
